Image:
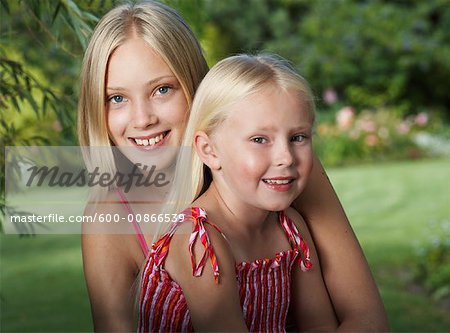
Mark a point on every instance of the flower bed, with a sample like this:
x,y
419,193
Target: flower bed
x,y
381,135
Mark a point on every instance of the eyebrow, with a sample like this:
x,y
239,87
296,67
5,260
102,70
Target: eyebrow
x,y
149,83
302,127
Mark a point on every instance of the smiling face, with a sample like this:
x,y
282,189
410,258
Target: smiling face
x,y
146,105
264,149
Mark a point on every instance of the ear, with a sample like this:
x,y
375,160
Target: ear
x,y
206,151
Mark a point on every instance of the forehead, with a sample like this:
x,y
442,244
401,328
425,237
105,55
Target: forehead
x,y
270,107
135,59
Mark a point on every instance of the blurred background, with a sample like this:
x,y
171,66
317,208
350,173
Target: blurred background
x,y
380,71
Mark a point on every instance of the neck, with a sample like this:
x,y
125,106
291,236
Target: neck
x,y
232,214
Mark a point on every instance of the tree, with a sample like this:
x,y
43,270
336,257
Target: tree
x,y
42,44
373,53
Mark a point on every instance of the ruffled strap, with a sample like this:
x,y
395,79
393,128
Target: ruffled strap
x,y
160,248
296,240
199,232
197,215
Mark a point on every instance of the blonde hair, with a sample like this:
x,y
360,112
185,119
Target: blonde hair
x,y
228,82
166,33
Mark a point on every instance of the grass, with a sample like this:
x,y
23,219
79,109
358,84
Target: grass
x,y
390,205
42,285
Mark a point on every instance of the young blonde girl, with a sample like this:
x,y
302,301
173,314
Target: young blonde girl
x,y
112,261
250,127
140,72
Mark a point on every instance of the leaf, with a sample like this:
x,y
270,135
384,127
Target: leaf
x,y
55,13
16,104
5,5
44,103
30,99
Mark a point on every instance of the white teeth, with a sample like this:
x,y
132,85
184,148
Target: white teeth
x,y
277,181
149,142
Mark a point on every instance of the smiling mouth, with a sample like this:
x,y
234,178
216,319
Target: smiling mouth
x,y
149,141
278,181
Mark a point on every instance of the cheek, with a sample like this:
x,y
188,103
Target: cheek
x,y
176,113
116,124
250,166
305,159
178,119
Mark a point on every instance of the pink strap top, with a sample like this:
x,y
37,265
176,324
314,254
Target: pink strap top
x,y
137,228
264,284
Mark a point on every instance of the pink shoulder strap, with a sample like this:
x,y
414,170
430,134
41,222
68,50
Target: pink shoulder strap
x,y
199,232
296,240
198,218
137,228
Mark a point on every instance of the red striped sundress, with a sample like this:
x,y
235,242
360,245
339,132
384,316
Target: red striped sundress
x,y
264,284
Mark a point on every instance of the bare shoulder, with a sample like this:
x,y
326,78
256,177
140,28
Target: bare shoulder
x,y
213,300
111,261
107,233
299,221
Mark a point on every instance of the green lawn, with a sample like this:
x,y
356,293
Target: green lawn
x,y
42,285
390,206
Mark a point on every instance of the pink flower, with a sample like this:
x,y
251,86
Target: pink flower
x,y
403,128
371,140
345,117
421,119
368,126
330,96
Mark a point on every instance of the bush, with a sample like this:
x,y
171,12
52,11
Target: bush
x,y
381,135
433,264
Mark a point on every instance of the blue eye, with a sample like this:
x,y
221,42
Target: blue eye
x,y
163,90
259,140
116,99
298,138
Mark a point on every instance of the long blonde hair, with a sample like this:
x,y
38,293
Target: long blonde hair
x,y
166,33
229,81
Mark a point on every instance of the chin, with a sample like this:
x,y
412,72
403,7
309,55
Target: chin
x,y
277,207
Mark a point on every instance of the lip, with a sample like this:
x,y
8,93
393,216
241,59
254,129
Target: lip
x,y
279,184
166,136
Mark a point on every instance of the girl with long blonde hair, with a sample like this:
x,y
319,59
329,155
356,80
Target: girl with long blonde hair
x,y
250,128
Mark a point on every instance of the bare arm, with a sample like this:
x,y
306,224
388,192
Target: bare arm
x,y
347,276
311,304
213,307
111,264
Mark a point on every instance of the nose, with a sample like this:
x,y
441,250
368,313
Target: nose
x,y
284,155
143,115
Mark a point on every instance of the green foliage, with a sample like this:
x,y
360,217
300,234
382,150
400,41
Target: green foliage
x,y
248,26
42,43
373,53
385,51
433,266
